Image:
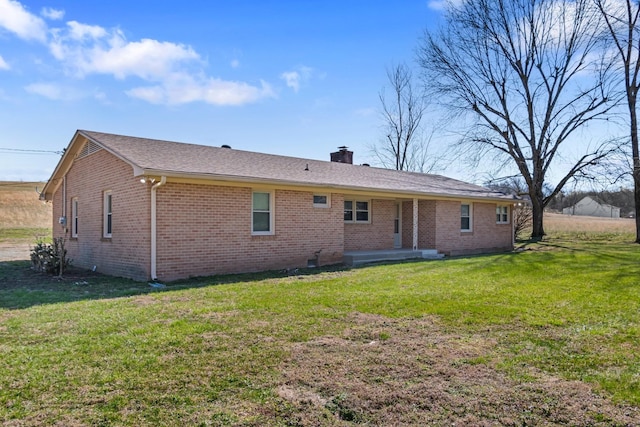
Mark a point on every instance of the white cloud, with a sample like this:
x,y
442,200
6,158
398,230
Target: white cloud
x,y
442,5
48,90
147,58
16,19
366,112
87,49
51,13
3,64
437,4
56,91
173,72
183,89
78,31
295,78
292,78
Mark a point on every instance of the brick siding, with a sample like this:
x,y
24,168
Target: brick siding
x,y
127,253
375,235
486,235
206,230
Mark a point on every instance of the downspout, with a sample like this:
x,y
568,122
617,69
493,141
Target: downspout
x,y
154,187
415,224
513,227
64,204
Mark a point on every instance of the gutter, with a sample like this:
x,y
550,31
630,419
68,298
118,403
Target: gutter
x,y
338,187
154,231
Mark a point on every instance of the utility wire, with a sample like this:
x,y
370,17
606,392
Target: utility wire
x,y
19,150
21,183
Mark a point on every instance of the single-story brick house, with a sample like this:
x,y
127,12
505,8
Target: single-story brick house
x,y
150,209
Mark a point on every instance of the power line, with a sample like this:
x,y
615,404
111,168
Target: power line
x,y
19,183
19,150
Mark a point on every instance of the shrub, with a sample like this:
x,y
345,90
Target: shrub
x,y
522,218
50,259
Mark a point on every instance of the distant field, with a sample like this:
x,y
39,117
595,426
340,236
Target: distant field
x,y
24,219
557,223
20,206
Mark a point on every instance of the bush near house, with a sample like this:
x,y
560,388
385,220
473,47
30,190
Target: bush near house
x,y
51,258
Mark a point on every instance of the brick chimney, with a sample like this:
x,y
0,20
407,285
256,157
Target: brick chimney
x,y
342,156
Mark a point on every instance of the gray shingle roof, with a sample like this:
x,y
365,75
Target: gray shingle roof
x,y
174,159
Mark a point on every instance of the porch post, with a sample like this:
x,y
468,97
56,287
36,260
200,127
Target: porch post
x,y
415,224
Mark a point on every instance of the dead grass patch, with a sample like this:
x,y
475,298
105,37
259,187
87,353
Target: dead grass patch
x,y
383,371
20,206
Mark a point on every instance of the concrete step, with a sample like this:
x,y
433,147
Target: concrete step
x,y
431,254
365,257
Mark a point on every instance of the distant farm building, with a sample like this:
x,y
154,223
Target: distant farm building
x,y
590,206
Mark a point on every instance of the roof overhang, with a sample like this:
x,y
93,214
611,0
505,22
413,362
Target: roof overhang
x,y
65,163
243,181
80,138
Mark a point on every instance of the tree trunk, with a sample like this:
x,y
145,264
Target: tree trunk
x,y
537,210
636,183
537,206
631,98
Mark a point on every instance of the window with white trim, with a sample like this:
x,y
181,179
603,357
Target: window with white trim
x,y
502,214
262,213
466,215
107,220
356,211
74,217
321,201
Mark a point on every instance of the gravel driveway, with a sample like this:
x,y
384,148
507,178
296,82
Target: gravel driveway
x,y
13,251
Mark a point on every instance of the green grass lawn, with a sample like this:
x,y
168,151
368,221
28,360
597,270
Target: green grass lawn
x,y
93,350
28,235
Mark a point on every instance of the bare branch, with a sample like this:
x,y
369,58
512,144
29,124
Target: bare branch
x,y
621,21
529,71
403,147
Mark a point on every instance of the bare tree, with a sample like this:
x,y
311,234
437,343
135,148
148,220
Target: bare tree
x,y
405,145
522,213
528,72
621,18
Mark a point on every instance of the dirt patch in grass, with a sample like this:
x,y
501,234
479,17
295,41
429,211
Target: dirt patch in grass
x,y
412,372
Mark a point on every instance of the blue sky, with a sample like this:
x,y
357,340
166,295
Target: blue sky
x,y
295,78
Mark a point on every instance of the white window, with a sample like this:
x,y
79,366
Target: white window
x,y
321,201
502,214
262,213
107,221
356,211
466,213
74,217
